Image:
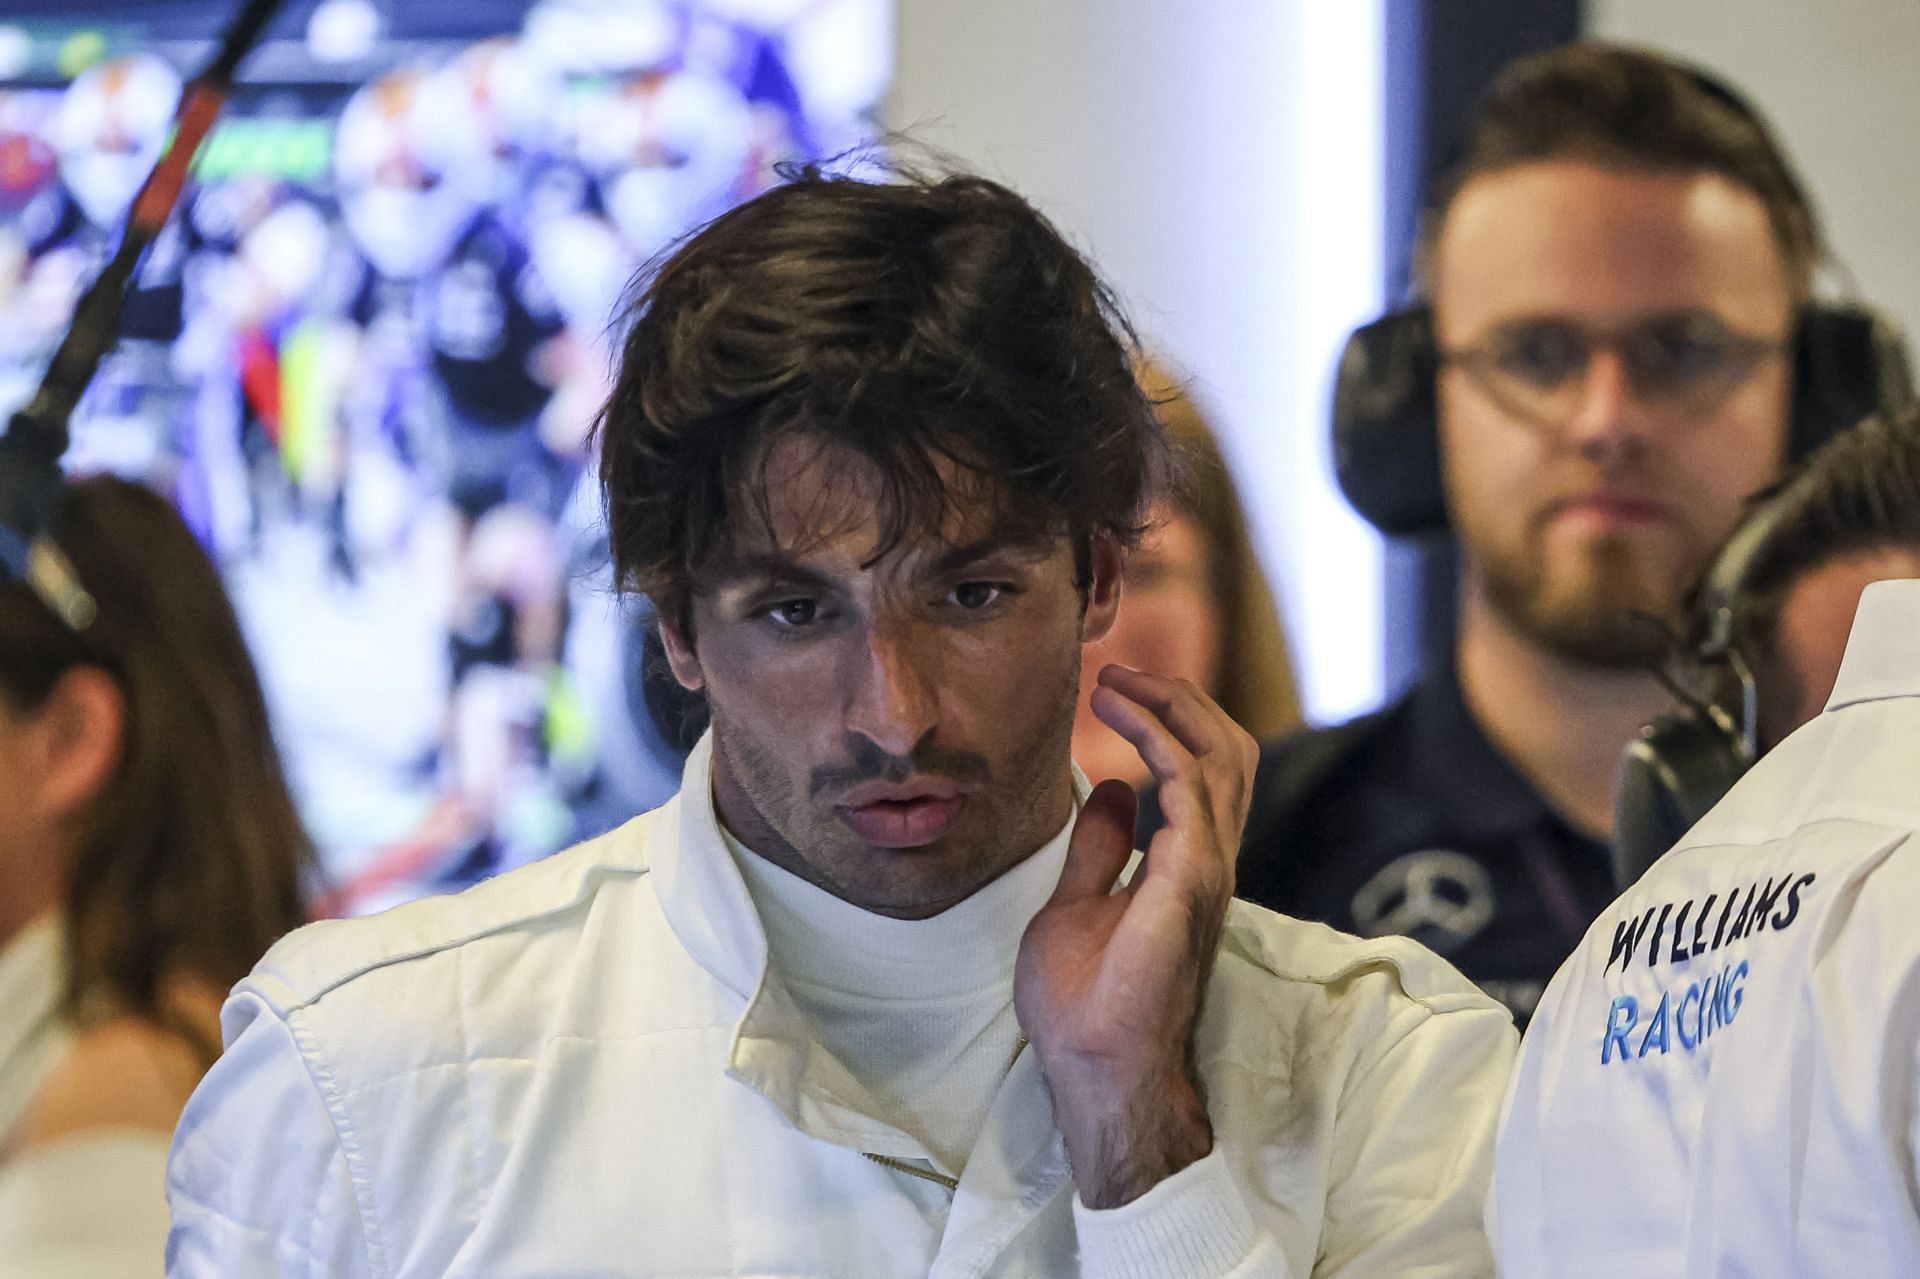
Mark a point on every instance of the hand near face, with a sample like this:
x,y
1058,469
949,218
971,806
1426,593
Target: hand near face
x,y
1108,985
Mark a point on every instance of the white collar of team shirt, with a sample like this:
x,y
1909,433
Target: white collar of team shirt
x,y
1020,1156
1883,649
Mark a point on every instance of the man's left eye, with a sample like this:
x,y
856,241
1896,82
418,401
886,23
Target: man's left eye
x,y
792,615
976,595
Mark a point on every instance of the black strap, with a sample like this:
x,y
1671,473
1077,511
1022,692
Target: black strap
x,y
37,435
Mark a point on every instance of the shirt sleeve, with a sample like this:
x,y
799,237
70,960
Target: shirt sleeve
x,y
259,1181
1194,1225
1413,1153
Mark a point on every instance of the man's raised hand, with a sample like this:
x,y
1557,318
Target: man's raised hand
x,y
1109,983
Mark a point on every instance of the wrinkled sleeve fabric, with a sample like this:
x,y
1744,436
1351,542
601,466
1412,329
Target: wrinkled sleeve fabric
x,y
260,1181
1194,1225
1413,1156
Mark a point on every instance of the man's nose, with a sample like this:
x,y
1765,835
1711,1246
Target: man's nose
x,y
893,702
1610,416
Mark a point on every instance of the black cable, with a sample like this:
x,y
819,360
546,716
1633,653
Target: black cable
x,y
37,435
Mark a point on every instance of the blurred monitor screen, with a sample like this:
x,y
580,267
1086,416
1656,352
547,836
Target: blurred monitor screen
x,y
365,359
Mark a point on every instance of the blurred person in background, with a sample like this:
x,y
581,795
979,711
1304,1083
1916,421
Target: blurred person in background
x,y
37,214
1850,519
1770,625
1722,1079
460,343
1197,605
1617,272
149,854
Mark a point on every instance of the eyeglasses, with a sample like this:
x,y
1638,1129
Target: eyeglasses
x,y
1680,365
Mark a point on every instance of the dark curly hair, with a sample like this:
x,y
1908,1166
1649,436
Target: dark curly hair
x,y
939,328
1856,494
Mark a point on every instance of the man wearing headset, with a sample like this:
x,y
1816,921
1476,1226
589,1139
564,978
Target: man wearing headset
x,y
1618,278
1853,519
1725,1077
1770,625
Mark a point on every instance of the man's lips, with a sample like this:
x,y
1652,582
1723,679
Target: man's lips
x,y
874,792
1611,511
901,816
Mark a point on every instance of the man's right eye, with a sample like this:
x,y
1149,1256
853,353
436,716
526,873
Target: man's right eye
x,y
793,614
1544,355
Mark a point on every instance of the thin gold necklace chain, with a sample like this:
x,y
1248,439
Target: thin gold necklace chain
x,y
927,1174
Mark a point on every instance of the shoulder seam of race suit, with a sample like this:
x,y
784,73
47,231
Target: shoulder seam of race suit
x,y
342,1133
346,1140
1733,831
313,961
1324,956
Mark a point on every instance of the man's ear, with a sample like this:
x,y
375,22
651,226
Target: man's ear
x,y
1105,563
81,732
681,659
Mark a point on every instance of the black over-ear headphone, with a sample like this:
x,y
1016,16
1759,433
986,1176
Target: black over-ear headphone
x,y
1849,362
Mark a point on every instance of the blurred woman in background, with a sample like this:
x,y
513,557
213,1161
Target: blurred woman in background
x,y
149,854
1195,604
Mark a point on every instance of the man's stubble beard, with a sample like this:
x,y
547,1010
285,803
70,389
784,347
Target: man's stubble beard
x,y
814,845
1619,615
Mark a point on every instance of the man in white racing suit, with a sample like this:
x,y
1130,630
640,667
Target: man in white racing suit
x,y
884,990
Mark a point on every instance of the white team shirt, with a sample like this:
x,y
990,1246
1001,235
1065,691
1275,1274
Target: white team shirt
x,y
1722,1080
